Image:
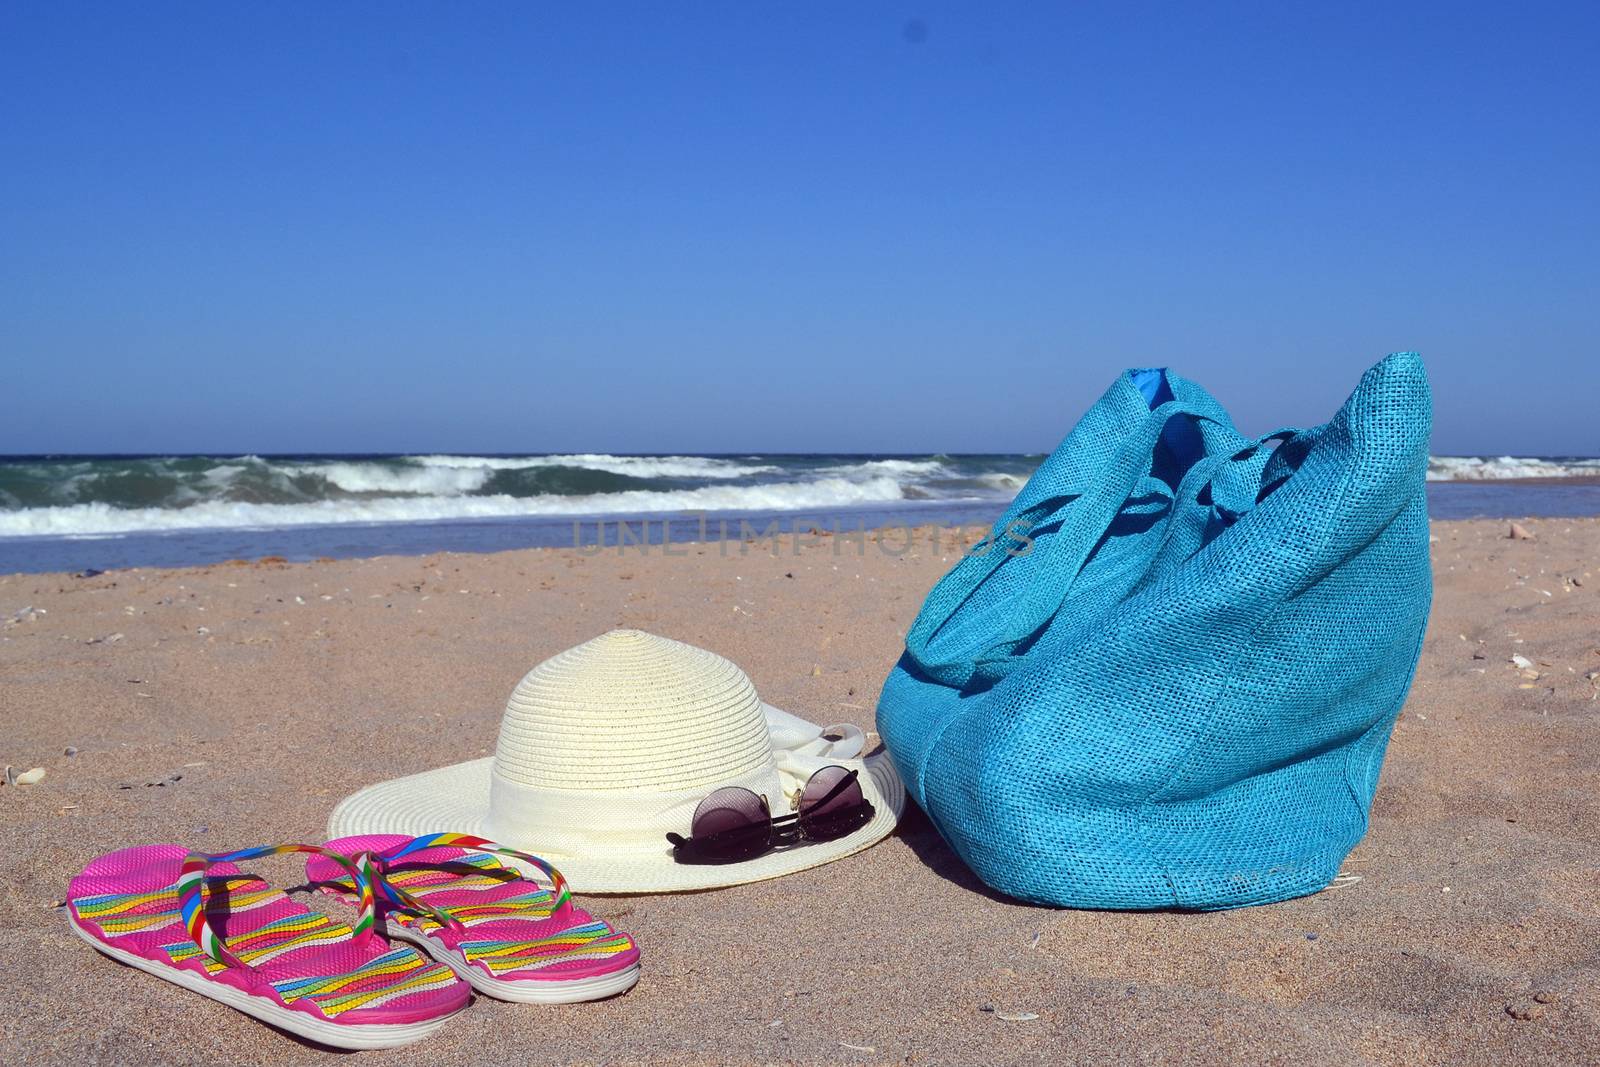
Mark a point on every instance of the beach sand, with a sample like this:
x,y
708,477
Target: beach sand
x,y
240,702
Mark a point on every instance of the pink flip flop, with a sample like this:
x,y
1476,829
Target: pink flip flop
x,y
509,936
197,921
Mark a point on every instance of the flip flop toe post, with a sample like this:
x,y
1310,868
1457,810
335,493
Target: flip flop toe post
x,y
512,937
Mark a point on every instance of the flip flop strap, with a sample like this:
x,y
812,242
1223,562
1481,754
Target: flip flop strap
x,y
402,899
192,893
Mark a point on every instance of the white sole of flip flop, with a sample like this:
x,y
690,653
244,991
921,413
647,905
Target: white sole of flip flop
x,y
525,991
323,1032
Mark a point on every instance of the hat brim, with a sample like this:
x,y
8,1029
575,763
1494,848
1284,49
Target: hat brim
x,y
456,799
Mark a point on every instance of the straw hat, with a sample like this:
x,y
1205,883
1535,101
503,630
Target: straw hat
x,y
606,747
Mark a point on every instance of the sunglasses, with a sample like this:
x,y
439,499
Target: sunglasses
x,y
735,824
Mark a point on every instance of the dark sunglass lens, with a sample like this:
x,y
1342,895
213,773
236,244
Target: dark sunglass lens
x,y
732,824
830,806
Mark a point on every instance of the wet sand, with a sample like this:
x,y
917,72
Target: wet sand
x,y
232,705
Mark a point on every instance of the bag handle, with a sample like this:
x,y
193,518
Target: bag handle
x,y
1068,550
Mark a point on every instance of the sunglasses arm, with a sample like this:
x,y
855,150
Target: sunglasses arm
x,y
692,845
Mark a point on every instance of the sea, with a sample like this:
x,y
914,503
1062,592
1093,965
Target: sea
x,y
83,512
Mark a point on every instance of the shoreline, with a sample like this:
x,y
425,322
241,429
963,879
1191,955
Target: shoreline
x,y
225,706
1521,499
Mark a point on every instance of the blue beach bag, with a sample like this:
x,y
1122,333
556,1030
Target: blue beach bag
x,y
1168,677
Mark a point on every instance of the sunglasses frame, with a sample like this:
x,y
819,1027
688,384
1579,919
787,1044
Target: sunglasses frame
x,y
782,831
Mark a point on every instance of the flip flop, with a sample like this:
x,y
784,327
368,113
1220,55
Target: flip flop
x,y
199,922
509,936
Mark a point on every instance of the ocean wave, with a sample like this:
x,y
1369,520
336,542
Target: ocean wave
x,y
896,468
99,519
185,481
112,495
710,467
1491,468
385,478
1002,480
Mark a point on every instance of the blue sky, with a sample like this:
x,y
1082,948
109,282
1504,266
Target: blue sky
x,y
757,226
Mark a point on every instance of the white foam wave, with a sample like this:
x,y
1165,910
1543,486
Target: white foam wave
x,y
894,468
1487,468
222,475
635,466
377,478
98,519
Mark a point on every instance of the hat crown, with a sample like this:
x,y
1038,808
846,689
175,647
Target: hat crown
x,y
632,711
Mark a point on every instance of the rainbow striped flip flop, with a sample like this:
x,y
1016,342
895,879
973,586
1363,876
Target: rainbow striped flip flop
x,y
511,937
198,921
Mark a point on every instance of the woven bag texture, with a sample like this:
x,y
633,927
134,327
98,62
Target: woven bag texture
x,y
1170,680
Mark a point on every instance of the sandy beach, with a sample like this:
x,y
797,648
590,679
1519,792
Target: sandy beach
x,y
233,705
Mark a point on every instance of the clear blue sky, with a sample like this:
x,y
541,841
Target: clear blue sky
x,y
803,226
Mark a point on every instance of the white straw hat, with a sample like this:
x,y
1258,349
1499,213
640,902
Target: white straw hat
x,y
606,747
